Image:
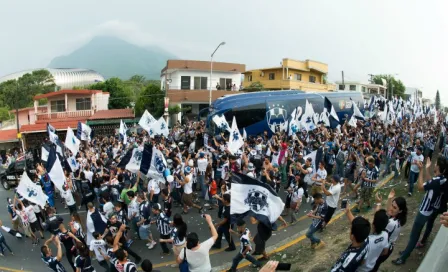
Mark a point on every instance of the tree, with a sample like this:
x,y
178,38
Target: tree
x,y
437,101
151,99
120,95
394,87
255,87
4,114
19,93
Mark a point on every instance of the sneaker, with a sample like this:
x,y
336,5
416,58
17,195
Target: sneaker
x,y
320,245
398,261
230,249
151,246
211,208
308,199
164,254
129,243
1,254
202,210
420,245
409,194
206,205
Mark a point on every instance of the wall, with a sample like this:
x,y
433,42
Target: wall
x,y
176,78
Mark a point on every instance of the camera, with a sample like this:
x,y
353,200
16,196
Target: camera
x,y
344,203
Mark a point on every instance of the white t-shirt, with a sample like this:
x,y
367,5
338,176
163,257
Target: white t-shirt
x,y
95,246
297,195
108,209
133,208
154,185
69,200
31,215
393,229
332,200
36,208
89,175
377,243
308,176
415,157
199,260
202,165
188,188
321,175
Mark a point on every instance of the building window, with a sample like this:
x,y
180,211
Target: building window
x,y
341,87
312,79
225,83
249,78
83,104
185,82
352,87
363,89
200,83
298,76
58,106
271,76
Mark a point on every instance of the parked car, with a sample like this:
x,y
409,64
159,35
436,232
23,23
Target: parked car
x,y
10,175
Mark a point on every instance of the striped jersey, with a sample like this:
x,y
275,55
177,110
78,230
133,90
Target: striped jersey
x,y
321,211
371,174
245,241
175,236
163,224
126,267
433,195
393,230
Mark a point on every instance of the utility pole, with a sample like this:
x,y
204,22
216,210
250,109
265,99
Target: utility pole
x,y
342,72
371,78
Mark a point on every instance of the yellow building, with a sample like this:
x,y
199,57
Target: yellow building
x,y
308,75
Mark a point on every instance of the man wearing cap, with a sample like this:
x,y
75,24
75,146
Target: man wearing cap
x,y
163,226
251,170
332,194
416,159
187,197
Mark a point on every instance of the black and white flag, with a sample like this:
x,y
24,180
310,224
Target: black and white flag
x,y
333,117
131,160
153,163
251,197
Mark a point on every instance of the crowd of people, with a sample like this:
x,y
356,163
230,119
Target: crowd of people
x,y
123,205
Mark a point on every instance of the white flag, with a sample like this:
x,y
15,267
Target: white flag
x,y
135,161
147,121
221,122
123,132
54,170
235,138
31,191
244,134
352,121
74,165
84,132
71,142
52,136
44,154
160,127
158,165
324,118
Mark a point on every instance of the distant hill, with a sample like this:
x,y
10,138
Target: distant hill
x,y
113,57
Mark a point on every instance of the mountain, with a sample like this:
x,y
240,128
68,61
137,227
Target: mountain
x,y
113,57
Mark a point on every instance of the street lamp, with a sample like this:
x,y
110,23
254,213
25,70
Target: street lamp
x,y
211,73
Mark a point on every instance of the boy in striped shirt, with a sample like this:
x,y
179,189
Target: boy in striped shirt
x,y
246,247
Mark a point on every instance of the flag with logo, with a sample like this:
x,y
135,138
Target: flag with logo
x,y
52,136
352,122
73,163
45,151
71,142
147,121
131,160
251,197
31,191
356,112
54,169
160,127
221,122
153,162
307,121
84,132
235,138
123,132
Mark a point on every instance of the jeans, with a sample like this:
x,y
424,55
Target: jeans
x,y
134,221
310,234
429,226
412,180
163,245
224,230
72,208
144,232
201,181
3,244
419,223
389,161
238,258
104,265
340,168
284,174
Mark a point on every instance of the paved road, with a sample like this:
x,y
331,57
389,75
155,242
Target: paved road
x,y
27,256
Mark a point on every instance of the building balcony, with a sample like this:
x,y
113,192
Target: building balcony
x,y
291,84
196,96
63,116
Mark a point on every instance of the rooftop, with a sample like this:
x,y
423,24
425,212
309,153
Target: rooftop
x,y
61,92
8,135
113,114
42,127
203,65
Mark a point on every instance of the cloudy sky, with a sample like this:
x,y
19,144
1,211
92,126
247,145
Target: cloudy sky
x,y
404,37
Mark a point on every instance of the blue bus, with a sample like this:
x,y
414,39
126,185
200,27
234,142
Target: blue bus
x,y
271,110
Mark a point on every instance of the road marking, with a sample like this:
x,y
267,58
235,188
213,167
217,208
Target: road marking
x,y
70,213
301,238
11,269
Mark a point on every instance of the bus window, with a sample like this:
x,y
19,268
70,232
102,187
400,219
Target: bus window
x,y
248,115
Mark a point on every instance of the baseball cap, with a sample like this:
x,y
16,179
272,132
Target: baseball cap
x,y
336,178
250,166
187,170
201,155
156,206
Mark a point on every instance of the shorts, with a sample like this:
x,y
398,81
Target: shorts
x,y
35,226
187,199
177,248
366,194
144,231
